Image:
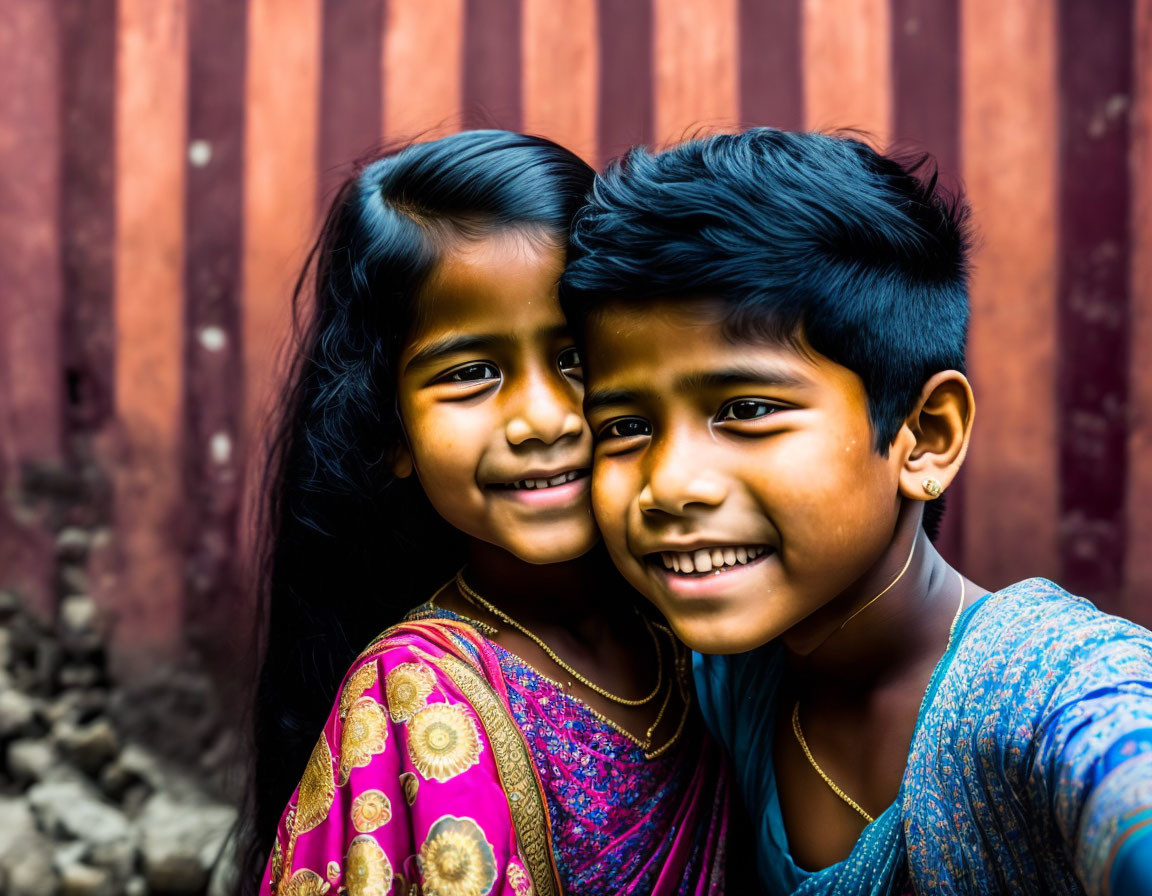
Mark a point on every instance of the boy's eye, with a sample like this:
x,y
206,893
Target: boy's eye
x,y
470,373
570,362
746,409
625,428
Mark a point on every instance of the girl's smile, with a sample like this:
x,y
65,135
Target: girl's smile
x,y
489,392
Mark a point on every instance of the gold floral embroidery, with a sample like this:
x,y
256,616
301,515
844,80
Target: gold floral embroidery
x,y
365,734
277,863
333,872
316,790
370,810
456,859
410,784
525,798
407,688
358,682
519,879
369,873
306,883
443,741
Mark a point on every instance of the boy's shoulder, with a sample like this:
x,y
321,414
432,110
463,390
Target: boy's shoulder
x,y
1037,615
1031,654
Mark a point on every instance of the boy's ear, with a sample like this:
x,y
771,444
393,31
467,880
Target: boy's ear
x,y
941,422
401,461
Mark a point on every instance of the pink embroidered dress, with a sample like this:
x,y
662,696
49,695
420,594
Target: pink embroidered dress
x,y
451,768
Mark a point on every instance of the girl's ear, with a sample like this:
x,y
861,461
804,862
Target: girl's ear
x,y
942,424
401,461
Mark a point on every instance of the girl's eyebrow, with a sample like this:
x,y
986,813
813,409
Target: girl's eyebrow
x,y
468,342
450,345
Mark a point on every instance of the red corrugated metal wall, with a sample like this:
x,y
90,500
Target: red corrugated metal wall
x,y
164,163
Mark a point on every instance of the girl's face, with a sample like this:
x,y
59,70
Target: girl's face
x,y
490,391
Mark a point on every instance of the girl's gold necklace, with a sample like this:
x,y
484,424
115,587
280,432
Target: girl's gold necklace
x,y
477,601
796,709
680,668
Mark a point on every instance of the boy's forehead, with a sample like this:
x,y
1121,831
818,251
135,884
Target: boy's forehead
x,y
634,335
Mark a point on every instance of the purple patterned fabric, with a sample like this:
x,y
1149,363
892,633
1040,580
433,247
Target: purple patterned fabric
x,y
611,808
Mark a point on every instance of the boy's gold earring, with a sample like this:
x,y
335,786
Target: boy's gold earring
x,y
933,487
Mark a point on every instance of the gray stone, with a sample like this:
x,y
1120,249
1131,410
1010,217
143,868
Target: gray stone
x,y
181,842
31,760
5,646
9,603
75,579
142,764
89,747
17,713
78,676
25,854
116,781
78,615
72,544
79,879
65,708
137,886
118,857
73,810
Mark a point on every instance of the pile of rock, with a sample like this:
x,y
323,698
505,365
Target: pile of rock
x,y
85,808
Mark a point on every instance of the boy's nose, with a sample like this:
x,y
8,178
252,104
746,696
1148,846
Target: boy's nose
x,y
679,481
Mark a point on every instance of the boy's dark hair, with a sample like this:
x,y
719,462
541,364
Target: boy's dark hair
x,y
805,236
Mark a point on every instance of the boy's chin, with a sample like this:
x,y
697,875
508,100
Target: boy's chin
x,y
716,634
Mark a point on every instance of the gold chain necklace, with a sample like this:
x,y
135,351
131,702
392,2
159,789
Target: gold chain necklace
x,y
796,709
645,743
478,601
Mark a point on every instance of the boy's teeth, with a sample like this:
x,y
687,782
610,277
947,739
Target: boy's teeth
x,y
708,559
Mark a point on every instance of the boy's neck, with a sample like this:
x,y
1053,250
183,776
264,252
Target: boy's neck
x,y
855,647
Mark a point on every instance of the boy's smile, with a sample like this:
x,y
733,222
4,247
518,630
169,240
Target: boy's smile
x,y
735,482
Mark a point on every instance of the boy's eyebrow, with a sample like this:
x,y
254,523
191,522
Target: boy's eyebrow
x,y
599,398
763,375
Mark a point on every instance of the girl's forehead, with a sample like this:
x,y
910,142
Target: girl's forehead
x,y
498,286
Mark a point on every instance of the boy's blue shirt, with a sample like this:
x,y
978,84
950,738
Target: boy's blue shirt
x,y
1030,769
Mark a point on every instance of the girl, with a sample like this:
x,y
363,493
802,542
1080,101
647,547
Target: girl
x,y
525,729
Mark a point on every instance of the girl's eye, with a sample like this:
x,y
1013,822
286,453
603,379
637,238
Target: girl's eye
x,y
746,409
626,428
471,373
570,362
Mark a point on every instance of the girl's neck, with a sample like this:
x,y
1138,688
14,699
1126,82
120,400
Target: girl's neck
x,y
852,646
554,594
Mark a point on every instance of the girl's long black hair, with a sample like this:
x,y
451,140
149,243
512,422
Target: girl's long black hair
x,y
348,548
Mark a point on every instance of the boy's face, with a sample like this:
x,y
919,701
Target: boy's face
x,y
735,483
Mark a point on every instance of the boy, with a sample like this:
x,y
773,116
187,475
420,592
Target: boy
x,y
775,328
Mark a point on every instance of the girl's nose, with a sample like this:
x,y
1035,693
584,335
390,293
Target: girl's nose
x,y
544,412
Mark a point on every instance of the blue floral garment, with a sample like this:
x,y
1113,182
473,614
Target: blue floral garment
x,y
1030,769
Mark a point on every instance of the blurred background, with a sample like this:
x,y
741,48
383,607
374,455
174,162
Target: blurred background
x,y
163,164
